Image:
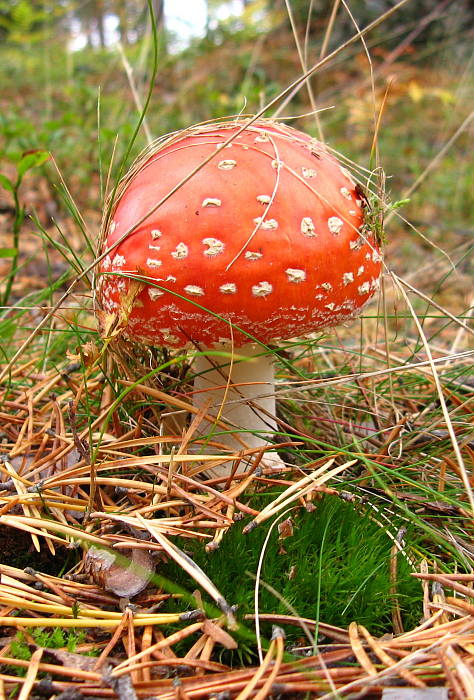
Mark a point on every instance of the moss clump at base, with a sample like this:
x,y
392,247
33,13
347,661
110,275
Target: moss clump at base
x,y
335,568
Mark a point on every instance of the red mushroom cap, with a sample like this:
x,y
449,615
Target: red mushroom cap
x,y
268,235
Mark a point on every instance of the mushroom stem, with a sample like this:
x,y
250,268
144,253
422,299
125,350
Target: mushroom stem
x,y
246,402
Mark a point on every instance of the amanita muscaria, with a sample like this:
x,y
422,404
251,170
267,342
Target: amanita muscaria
x,y
267,241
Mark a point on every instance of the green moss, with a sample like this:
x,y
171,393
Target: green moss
x,y
56,638
335,567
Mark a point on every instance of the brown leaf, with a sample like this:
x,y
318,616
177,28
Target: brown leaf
x,y
67,658
126,577
285,529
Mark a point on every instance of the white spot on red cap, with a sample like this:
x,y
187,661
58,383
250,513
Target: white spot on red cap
x,y
335,225
193,290
155,233
358,243
215,246
376,257
211,202
262,289
118,261
252,255
347,278
276,164
359,202
106,262
227,164
155,293
266,224
364,288
181,251
228,288
330,306
154,247
360,271
113,226
261,138
375,284
327,286
345,193
152,262
352,212
295,275
308,173
307,227
264,199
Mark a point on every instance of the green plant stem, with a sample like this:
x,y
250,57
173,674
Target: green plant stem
x,y
17,224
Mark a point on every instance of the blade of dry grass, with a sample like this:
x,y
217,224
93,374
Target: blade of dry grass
x,y
449,425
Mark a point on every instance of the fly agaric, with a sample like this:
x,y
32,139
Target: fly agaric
x,y
266,241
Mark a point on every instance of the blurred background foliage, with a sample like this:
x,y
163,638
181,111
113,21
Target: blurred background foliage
x,y
63,72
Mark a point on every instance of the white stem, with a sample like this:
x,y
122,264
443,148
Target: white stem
x,y
237,402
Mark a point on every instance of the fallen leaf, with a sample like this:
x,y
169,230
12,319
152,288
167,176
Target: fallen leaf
x,y
125,575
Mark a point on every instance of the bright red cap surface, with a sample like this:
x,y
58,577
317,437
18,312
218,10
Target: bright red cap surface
x,y
267,235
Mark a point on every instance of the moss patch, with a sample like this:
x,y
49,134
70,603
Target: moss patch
x,y
335,567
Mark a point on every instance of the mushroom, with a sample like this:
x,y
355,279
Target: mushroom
x,y
266,241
